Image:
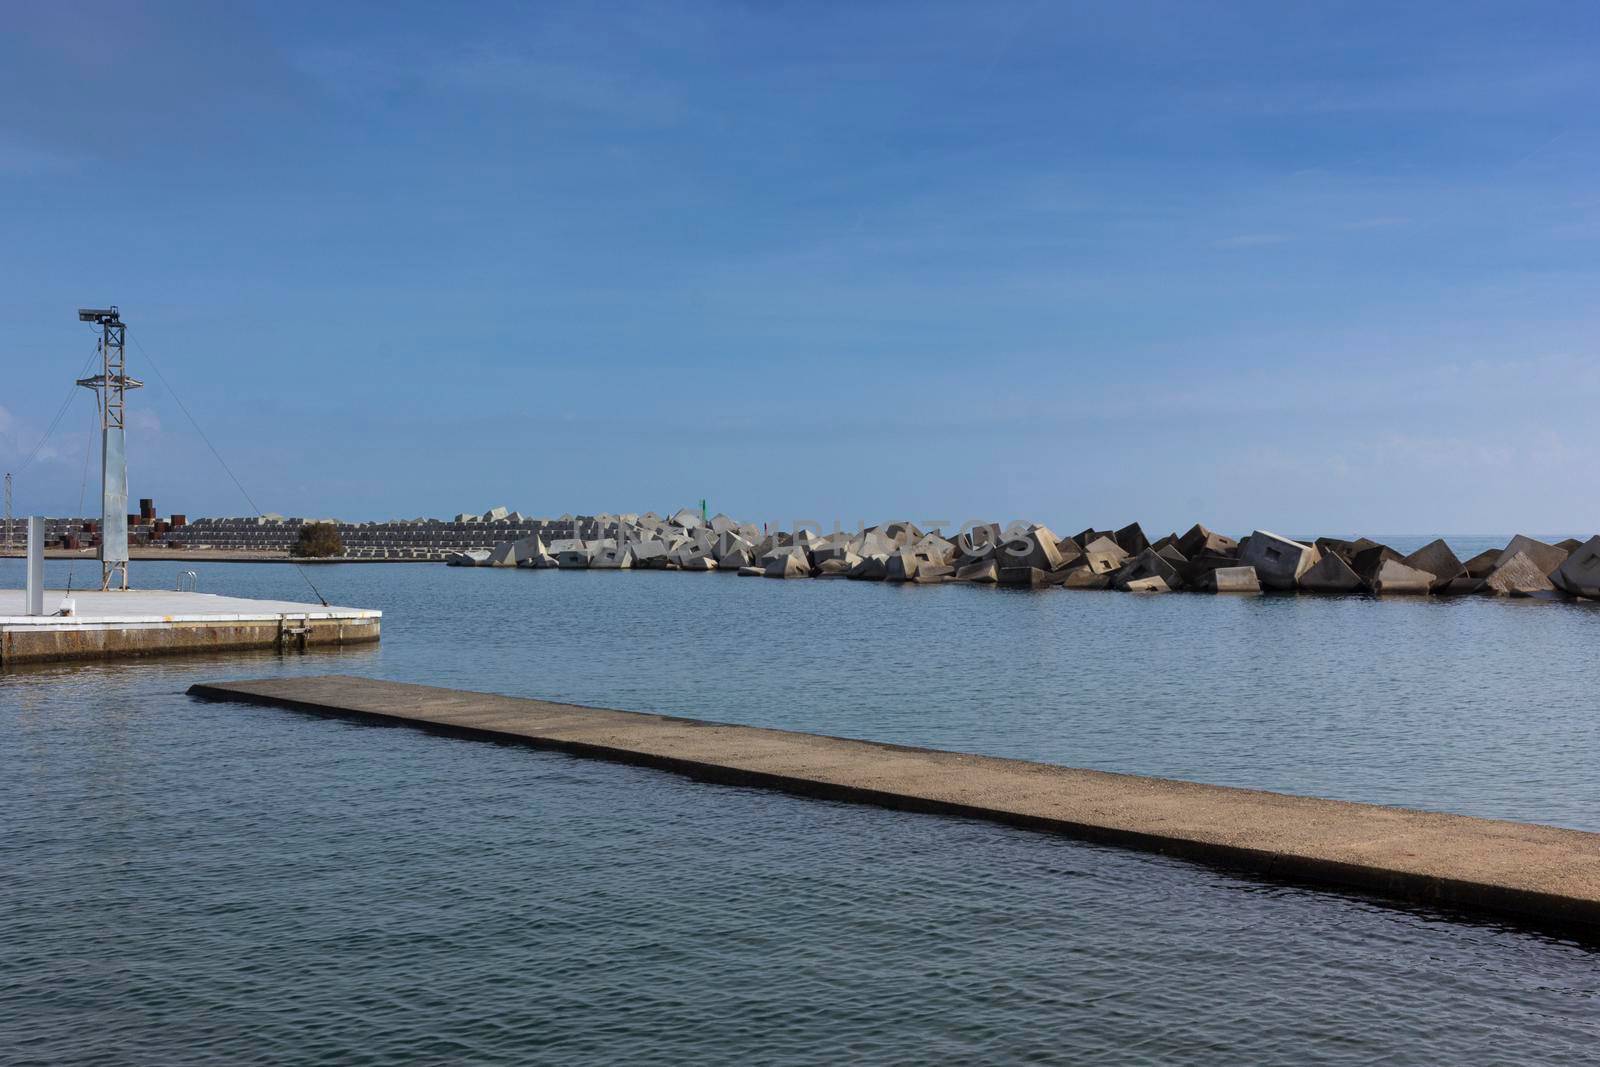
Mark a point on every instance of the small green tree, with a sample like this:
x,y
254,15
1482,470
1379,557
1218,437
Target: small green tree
x,y
318,539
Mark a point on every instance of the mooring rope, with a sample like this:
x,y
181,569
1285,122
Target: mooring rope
x,y
62,410
237,484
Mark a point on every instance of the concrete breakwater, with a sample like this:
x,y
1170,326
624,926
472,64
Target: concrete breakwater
x,y
1033,555
1542,874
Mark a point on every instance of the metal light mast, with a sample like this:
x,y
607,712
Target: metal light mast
x,y
109,386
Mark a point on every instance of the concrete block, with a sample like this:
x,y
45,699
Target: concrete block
x,y
979,542
1331,574
1084,577
1517,576
573,558
1036,548
902,566
786,550
1131,539
791,564
1482,565
872,568
1437,559
1070,551
1200,541
1104,556
1279,562
1345,550
935,549
651,554
983,570
1152,584
728,542
1230,580
770,543
1368,559
1030,576
1459,587
876,543
902,533
835,568
832,548
1545,557
1579,573
613,558
1393,578
699,563
1149,563
752,572
1169,552
512,553
1199,566
735,558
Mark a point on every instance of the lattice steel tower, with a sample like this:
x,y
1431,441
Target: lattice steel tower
x,y
109,386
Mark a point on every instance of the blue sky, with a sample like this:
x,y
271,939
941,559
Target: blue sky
x,y
1306,267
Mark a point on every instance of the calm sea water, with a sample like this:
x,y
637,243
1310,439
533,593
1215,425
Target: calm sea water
x,y
189,882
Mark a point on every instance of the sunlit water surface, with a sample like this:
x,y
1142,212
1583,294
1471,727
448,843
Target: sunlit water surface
x,y
185,882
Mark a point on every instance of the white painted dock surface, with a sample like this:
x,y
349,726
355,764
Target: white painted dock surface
x,y
140,622
134,606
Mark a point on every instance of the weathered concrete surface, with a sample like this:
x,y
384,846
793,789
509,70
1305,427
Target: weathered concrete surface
x,y
1539,873
1279,562
1544,557
1230,580
1437,559
1580,573
1394,578
146,622
1331,574
1518,576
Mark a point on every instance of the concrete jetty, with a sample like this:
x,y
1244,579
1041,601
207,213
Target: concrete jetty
x,y
1540,874
141,622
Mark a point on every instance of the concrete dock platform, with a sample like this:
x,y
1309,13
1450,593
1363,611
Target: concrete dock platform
x,y
1540,874
141,622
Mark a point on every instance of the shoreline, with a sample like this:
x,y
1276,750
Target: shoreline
x,y
180,555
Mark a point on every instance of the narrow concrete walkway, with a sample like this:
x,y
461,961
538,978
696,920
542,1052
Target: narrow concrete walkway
x,y
1542,874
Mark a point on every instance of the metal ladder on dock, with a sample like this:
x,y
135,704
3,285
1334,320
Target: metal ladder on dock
x,y
292,633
